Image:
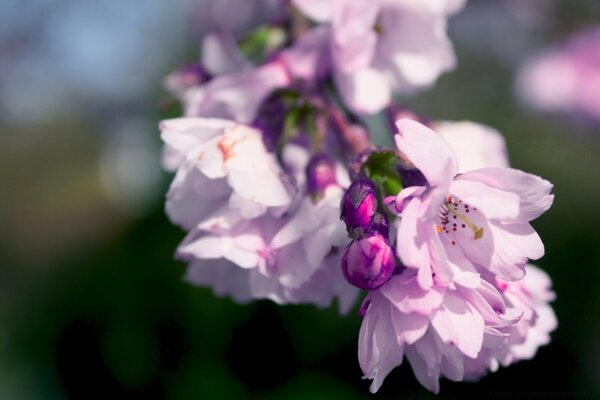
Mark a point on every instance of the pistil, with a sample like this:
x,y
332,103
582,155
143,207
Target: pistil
x,y
477,231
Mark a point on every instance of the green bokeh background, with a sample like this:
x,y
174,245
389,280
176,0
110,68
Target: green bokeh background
x,y
92,305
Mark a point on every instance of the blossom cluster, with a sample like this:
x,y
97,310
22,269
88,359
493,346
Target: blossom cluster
x,y
565,78
284,196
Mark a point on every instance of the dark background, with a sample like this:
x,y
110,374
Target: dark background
x,y
92,304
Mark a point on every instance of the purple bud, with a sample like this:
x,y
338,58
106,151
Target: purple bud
x,y
320,173
359,205
368,262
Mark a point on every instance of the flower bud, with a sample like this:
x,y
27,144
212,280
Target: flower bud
x,y
359,205
320,173
368,262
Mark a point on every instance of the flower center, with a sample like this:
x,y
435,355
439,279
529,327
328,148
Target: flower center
x,y
452,216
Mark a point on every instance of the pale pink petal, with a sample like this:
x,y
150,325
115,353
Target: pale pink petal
x,y
203,247
475,145
427,151
460,324
410,246
302,221
225,278
401,200
247,209
237,96
410,298
181,135
253,172
495,204
318,10
192,197
409,327
354,39
221,54
364,91
309,57
209,159
318,244
413,48
378,349
425,359
463,271
452,366
533,191
513,246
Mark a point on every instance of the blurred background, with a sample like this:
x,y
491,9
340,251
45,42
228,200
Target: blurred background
x,y
92,305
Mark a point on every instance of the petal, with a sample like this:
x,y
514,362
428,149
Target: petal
x,y
364,91
318,10
475,145
183,134
253,172
202,247
427,151
425,359
236,96
533,191
221,54
301,222
222,276
309,58
409,327
411,247
413,48
460,324
514,244
354,39
410,298
495,204
192,197
378,349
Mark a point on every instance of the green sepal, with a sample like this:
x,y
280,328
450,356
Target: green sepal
x,y
382,168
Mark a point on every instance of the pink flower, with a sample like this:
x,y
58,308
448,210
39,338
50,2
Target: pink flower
x,y
237,96
439,329
456,225
250,214
225,84
459,333
379,47
220,163
287,260
565,78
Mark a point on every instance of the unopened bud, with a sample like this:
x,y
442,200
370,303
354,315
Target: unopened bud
x,y
359,205
368,262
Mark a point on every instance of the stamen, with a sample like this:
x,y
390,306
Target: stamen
x,y
477,231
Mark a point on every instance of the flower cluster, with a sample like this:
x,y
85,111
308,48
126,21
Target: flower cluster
x,y
284,196
463,242
565,78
